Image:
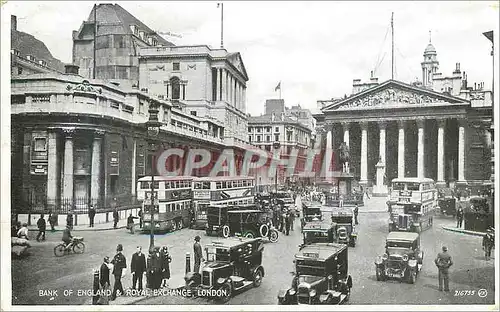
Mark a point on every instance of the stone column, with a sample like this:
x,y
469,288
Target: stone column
x,y
244,99
382,126
328,153
364,153
95,180
52,172
461,150
401,149
231,90
345,126
440,151
420,149
224,85
68,167
219,85
134,167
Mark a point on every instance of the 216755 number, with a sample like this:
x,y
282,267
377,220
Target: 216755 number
x,y
463,293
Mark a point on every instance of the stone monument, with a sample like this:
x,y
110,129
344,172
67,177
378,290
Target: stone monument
x,y
380,189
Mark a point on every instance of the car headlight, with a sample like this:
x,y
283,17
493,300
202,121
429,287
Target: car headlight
x,y
405,258
312,293
291,292
385,256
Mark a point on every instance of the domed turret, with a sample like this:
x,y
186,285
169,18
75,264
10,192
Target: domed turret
x,y
430,65
430,49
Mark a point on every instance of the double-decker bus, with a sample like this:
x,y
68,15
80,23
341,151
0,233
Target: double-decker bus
x,y
412,204
172,200
227,191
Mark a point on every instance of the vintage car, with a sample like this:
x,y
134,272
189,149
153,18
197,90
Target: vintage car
x,y
447,202
233,265
402,258
320,277
311,211
318,232
345,231
217,217
249,223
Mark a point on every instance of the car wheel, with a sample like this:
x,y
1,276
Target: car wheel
x,y
264,230
249,235
257,278
273,236
225,231
226,289
180,224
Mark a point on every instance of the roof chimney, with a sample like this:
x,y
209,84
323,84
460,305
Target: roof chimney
x,y
371,74
71,69
13,22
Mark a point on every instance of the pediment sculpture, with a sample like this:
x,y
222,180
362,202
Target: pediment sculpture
x,y
85,86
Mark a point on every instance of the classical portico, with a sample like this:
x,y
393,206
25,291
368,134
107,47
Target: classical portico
x,y
410,131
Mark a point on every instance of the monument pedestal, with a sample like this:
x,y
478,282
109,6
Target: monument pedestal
x,y
380,189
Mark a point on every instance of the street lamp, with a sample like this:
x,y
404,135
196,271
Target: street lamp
x,y
153,130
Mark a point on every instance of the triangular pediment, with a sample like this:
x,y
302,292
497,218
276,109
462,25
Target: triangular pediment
x,y
237,62
393,94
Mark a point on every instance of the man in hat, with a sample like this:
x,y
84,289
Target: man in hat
x,y
460,217
91,215
443,262
138,267
116,217
41,228
198,254
120,263
488,243
104,273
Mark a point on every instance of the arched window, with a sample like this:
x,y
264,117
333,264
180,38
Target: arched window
x,y
176,88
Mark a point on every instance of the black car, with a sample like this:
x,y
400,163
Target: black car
x,y
233,265
345,230
250,224
402,259
311,211
217,217
320,277
318,232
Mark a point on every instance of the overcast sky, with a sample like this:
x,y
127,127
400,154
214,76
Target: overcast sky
x,y
315,49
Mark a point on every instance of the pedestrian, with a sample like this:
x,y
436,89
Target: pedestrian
x,y
154,268
69,220
52,221
104,282
341,200
356,211
488,243
15,228
67,238
115,218
41,228
119,265
460,217
91,215
140,218
23,232
198,254
287,223
443,262
130,223
138,267
165,266
292,218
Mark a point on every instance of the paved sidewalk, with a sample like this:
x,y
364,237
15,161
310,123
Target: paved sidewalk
x,y
454,229
175,282
85,228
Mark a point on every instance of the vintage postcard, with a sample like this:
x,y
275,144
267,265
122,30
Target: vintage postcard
x,y
249,155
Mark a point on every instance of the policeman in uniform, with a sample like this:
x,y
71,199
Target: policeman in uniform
x,y
443,262
488,243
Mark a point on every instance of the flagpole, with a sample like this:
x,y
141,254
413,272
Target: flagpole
x,y
222,26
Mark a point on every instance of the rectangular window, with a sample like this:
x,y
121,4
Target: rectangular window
x,y
258,138
40,145
268,129
114,104
176,66
268,138
259,130
249,138
277,129
119,41
30,58
102,42
19,70
42,62
141,107
193,113
249,129
276,137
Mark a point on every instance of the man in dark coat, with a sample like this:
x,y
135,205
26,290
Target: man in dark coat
x,y
138,267
287,223
41,228
488,243
356,211
198,254
443,262
91,215
154,268
104,273
460,217
140,218
52,221
119,263
69,220
115,217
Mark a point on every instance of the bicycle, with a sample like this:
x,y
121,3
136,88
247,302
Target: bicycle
x,y
76,245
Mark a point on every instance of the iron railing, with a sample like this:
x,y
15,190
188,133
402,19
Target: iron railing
x,y
77,205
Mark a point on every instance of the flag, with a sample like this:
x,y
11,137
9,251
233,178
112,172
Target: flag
x,y
278,87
